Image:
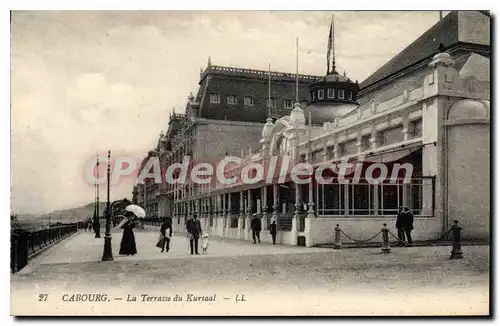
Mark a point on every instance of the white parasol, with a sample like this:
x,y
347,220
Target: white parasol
x,y
136,210
123,221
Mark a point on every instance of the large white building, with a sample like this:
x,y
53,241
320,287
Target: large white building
x,y
429,106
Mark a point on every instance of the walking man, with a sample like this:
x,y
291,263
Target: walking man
x,y
272,230
193,227
399,227
407,224
256,227
166,231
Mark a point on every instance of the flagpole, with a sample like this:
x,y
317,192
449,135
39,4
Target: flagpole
x,y
108,253
269,94
297,71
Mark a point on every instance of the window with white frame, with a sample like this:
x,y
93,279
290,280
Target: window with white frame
x,y
317,156
391,136
350,96
214,98
416,128
364,198
349,147
341,94
365,143
321,94
331,93
248,100
231,99
341,149
288,104
330,152
313,96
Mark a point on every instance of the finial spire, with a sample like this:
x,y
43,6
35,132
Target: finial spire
x,y
441,47
209,63
330,54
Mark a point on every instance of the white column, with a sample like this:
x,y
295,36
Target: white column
x,y
275,202
264,206
240,217
249,214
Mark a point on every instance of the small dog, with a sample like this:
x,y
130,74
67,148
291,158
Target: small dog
x,y
204,245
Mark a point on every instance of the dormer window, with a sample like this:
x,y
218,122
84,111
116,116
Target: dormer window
x,y
321,94
288,104
341,94
214,98
248,100
271,102
331,93
350,96
231,99
313,96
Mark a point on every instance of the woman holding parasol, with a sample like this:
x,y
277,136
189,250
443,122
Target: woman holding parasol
x,y
127,245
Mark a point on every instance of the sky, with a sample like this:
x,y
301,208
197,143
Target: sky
x,y
85,82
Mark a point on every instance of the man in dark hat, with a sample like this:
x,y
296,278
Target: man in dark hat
x,y
166,231
193,227
399,227
407,225
273,231
256,227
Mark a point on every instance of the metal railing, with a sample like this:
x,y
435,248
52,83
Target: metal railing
x,y
284,222
151,221
25,244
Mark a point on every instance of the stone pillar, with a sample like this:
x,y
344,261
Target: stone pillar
x,y
228,215
264,207
224,213
275,203
240,217
249,214
296,214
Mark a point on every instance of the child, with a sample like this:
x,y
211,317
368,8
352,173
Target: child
x,y
204,245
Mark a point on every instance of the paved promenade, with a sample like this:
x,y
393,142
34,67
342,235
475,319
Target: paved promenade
x,y
274,279
84,247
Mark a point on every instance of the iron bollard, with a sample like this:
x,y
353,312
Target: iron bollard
x,y
386,248
456,251
338,243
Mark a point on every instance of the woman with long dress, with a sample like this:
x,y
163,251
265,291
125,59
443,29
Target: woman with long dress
x,y
128,246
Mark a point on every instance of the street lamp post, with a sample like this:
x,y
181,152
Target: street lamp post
x,y
108,253
97,224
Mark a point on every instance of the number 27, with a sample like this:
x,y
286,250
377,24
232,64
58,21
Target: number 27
x,y
42,297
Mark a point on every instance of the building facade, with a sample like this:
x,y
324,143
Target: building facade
x,y
428,107
227,114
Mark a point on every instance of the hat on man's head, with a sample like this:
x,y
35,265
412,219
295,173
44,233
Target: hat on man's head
x,y
255,214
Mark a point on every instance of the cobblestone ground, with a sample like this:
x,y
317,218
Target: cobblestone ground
x,y
273,279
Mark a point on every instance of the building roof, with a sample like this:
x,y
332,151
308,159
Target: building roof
x,y
226,81
467,27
